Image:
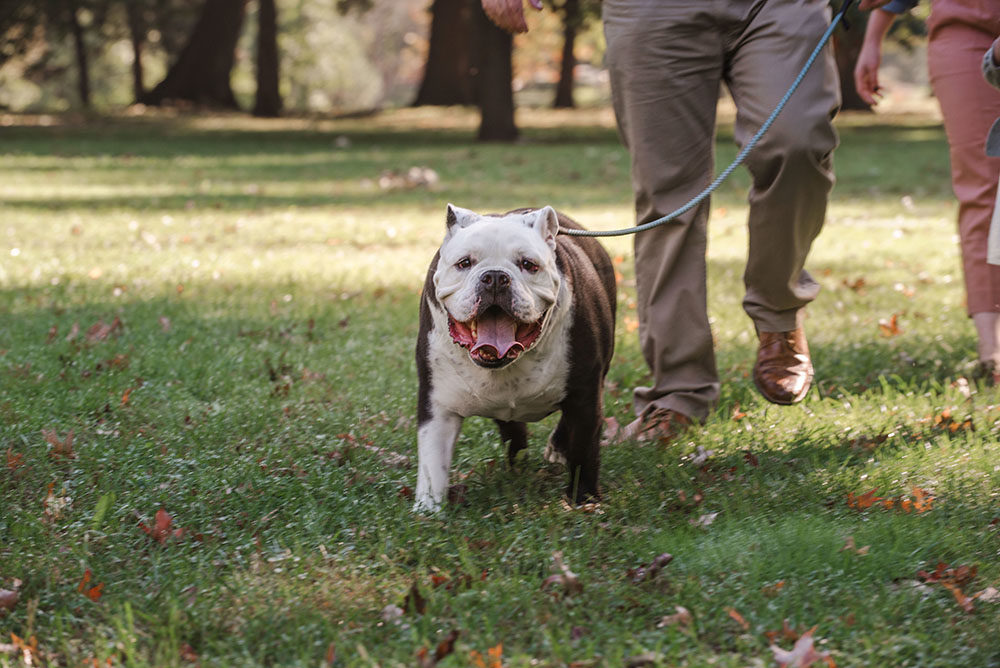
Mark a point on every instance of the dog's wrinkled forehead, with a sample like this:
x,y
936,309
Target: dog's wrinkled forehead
x,y
535,229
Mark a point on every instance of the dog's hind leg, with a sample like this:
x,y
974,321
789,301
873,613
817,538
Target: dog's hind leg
x,y
577,439
515,435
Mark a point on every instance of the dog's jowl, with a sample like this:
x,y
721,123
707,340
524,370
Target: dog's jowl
x,y
516,322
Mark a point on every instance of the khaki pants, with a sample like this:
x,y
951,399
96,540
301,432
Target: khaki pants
x,y
960,32
667,59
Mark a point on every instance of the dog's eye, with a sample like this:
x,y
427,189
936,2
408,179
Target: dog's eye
x,y
464,263
529,266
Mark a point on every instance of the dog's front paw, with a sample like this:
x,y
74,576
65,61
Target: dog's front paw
x,y
552,453
426,505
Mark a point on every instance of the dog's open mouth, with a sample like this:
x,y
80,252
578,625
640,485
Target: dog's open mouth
x,y
494,338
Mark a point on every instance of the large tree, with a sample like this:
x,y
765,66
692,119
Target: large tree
x,y
576,15
448,71
72,13
493,75
201,74
469,62
268,102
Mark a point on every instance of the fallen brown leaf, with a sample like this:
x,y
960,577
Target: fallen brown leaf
x,y
803,654
331,655
14,460
8,599
705,520
188,654
849,546
60,447
643,660
161,531
988,595
890,328
649,571
101,330
681,619
93,593
738,618
565,578
414,601
493,659
786,633
866,500
444,648
773,590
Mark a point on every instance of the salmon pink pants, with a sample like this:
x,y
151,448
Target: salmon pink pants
x,y
960,33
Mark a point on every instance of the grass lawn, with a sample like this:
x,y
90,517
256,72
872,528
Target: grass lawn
x,y
215,318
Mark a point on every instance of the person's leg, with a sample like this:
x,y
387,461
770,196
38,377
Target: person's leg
x,y
792,165
665,63
969,106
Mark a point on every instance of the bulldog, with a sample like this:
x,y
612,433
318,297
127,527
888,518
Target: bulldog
x,y
516,322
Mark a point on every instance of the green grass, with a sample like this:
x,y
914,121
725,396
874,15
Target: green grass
x,y
261,389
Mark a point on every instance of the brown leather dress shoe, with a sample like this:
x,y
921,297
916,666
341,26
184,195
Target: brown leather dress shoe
x,y
660,425
783,372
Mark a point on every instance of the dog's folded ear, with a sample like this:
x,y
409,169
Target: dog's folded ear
x,y
546,223
457,217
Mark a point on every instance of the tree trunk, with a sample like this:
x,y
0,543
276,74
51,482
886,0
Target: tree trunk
x,y
201,73
137,36
83,72
571,24
493,76
448,72
268,101
846,47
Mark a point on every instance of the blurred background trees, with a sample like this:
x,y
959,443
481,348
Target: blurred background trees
x,y
269,57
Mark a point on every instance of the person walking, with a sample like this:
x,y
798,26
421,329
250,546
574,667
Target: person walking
x,y
959,32
667,60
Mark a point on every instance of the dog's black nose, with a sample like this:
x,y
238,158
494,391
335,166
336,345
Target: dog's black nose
x,y
495,279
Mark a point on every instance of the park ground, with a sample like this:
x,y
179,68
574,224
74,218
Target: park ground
x,y
207,431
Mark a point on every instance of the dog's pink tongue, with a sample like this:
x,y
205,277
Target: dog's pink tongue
x,y
497,330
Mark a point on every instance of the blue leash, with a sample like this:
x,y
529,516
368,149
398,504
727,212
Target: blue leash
x,y
740,157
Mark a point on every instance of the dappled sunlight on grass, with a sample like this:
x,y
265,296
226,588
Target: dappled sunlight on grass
x,y
222,312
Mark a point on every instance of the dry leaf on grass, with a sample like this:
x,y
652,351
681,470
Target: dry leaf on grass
x,y
773,590
161,531
787,633
14,460
988,595
803,654
681,619
705,520
564,577
493,658
889,328
649,571
444,648
738,618
643,660
953,579
849,546
93,593
8,600
61,447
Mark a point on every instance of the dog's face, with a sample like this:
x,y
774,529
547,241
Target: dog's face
x,y
497,280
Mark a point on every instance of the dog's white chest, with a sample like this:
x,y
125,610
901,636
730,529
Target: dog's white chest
x,y
525,391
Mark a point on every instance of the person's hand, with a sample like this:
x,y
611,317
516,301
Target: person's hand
x,y
509,14
865,5
866,73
